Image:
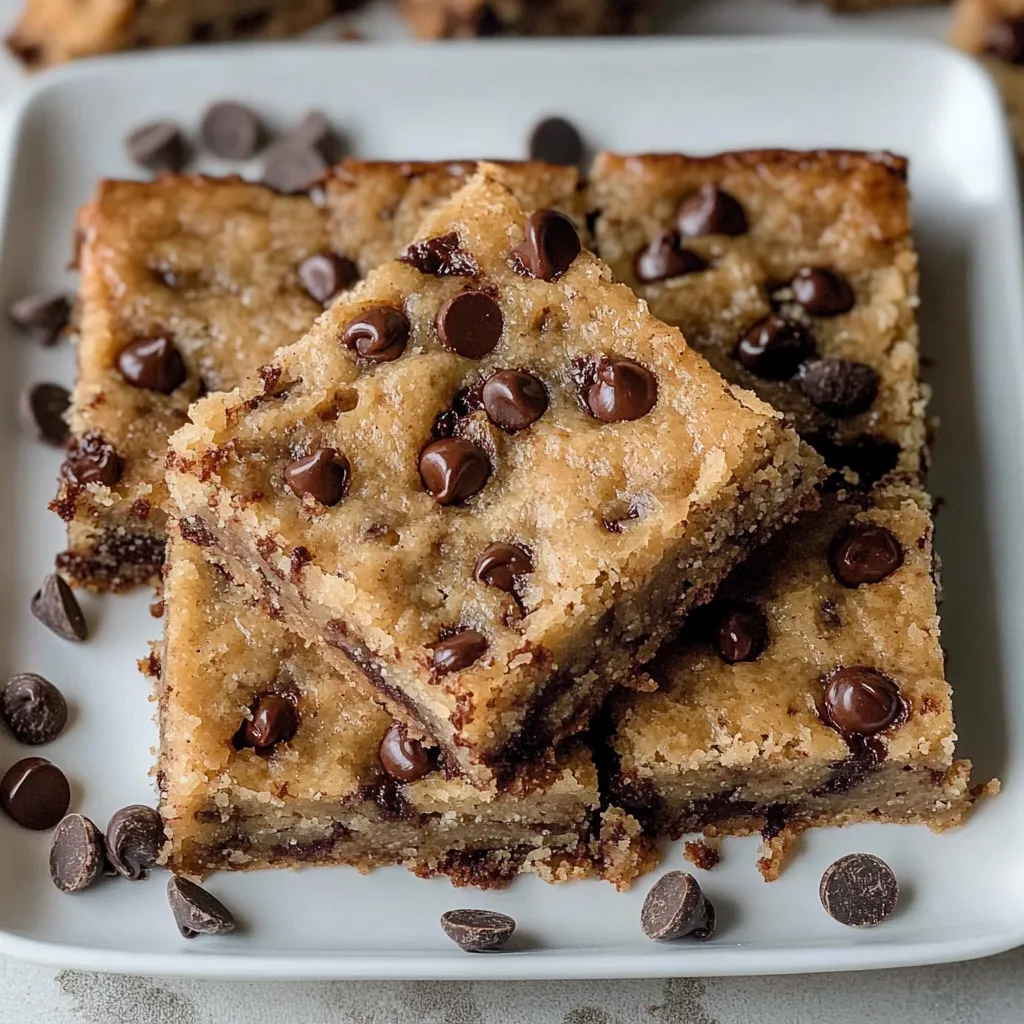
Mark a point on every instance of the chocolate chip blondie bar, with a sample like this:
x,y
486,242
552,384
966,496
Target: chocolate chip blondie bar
x,y
434,19
795,274
270,758
489,477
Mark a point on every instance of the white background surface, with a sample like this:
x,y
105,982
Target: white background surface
x,y
990,991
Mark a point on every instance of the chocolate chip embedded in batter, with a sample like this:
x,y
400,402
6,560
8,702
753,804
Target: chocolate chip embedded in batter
x,y
274,720
440,257
325,274
197,912
92,460
710,211
556,141
41,411
740,631
453,469
77,853
33,709
499,565
861,701
231,131
664,257
54,604
476,931
822,292
514,399
458,651
676,907
774,347
324,476
34,793
551,245
152,363
839,387
135,836
470,324
623,390
160,146
404,758
864,553
859,890
380,334
1004,39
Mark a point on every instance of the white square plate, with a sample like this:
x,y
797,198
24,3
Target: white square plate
x,y
963,892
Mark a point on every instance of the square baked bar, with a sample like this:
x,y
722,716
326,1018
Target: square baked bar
x,y
794,274
436,19
489,477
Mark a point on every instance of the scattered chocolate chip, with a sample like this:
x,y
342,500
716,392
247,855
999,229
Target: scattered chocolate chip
x,y
458,651
41,411
160,146
380,334
676,907
291,169
135,835
152,363
56,607
1004,39
551,245
92,460
622,390
470,324
864,553
774,347
197,912
665,257
740,631
556,141
500,565
839,387
440,257
404,758
77,853
859,890
822,292
325,274
477,931
710,211
34,793
274,720
861,701
43,315
231,131
513,399
324,476
453,469
315,132
33,708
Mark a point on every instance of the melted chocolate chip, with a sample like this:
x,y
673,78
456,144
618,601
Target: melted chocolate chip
x,y
440,257
325,274
152,363
864,553
839,387
274,720
1004,39
664,258
324,476
774,347
34,793
740,631
861,701
404,758
514,399
499,565
470,324
710,211
551,245
454,469
623,390
380,334
822,292
458,651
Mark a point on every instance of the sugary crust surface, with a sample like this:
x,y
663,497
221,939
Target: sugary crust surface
x,y
435,19
386,572
843,211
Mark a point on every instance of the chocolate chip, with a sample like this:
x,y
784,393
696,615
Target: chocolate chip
x,y
1004,38
404,758
500,565
41,411
839,387
152,363
197,912
324,476
556,141
859,890
92,460
458,651
710,211
380,334
470,324
623,390
665,257
291,169
135,835
871,458
34,793
160,146
43,315
274,720
514,399
453,469
315,132
864,553
77,853
551,245
33,708
440,257
774,347
740,631
325,274
231,131
861,701
56,607
476,931
676,907
822,292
